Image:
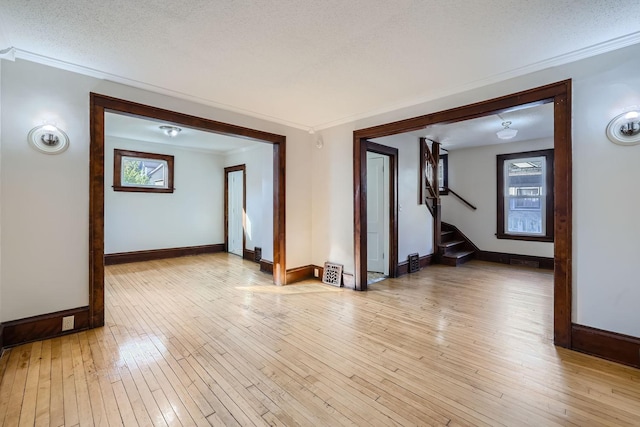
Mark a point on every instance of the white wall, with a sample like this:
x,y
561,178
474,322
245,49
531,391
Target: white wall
x,y
44,211
190,216
258,161
606,287
415,223
606,197
472,174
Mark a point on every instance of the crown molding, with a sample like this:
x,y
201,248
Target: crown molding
x,y
92,72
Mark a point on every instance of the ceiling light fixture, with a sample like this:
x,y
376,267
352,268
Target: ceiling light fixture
x,y
171,131
624,129
507,132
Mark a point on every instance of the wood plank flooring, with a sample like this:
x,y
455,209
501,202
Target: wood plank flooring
x,y
208,340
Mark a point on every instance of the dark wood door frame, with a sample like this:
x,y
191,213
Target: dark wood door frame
x,y
392,153
101,103
558,93
228,170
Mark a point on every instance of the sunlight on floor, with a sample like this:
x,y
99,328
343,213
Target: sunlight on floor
x,y
290,289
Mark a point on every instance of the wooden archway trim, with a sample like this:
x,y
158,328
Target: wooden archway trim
x,y
101,103
558,93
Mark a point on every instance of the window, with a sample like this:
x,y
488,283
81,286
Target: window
x,y
142,172
525,196
443,174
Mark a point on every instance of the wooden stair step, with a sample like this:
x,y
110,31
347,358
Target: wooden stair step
x,y
451,243
446,236
456,258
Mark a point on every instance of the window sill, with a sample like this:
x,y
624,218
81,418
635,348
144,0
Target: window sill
x,y
143,189
548,239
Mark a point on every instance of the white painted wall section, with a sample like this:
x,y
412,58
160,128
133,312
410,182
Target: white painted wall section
x,y
190,216
606,199
45,198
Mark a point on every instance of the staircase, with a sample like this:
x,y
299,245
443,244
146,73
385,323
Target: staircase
x,y
454,248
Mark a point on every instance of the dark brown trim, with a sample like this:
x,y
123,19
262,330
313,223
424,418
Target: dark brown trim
x,y
43,327
101,103
563,219
422,148
266,266
500,218
516,259
227,171
117,171
249,255
403,267
560,94
392,153
279,215
612,346
152,254
96,212
300,273
360,212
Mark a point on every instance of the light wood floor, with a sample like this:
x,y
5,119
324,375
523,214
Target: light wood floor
x,y
208,340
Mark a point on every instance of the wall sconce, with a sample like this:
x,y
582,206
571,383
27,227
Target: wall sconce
x,y
171,131
624,129
48,139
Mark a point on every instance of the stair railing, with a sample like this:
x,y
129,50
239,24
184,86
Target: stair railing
x,y
462,199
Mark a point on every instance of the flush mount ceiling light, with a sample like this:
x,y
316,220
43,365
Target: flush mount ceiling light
x,y
171,131
48,139
624,129
507,132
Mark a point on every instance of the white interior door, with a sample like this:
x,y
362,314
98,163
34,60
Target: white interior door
x,y
235,211
377,230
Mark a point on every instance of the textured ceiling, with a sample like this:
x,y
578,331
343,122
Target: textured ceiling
x,y
314,63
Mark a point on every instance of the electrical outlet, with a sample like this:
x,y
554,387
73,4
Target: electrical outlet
x,y
67,323
316,272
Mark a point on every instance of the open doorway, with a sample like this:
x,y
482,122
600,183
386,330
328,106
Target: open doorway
x,y
382,212
100,105
559,94
235,208
377,217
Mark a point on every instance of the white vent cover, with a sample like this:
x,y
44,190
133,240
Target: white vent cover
x,y
332,274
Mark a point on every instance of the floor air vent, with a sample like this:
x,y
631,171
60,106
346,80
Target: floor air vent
x,y
257,255
332,274
414,263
